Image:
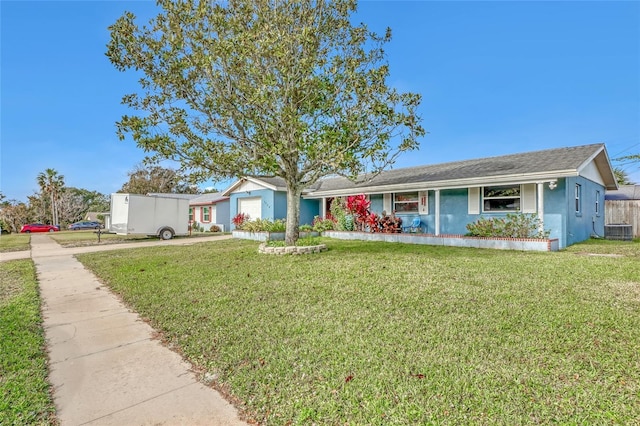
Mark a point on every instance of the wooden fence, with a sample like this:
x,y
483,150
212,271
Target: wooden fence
x,y
623,211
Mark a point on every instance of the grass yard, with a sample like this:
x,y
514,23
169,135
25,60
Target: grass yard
x,y
383,333
24,390
90,238
14,242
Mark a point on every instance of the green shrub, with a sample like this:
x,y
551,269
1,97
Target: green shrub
x,y
513,225
344,220
320,225
263,225
306,228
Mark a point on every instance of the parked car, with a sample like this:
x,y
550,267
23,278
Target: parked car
x,y
38,227
85,224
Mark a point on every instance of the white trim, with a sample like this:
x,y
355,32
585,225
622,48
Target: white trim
x,y
473,200
437,212
423,202
518,179
528,197
387,205
227,192
540,211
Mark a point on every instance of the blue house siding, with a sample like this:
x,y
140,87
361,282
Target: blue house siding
x,y
280,200
309,209
274,205
454,211
223,215
555,212
267,202
581,225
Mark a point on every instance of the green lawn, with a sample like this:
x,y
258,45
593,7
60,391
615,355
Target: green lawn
x,y
375,333
89,237
24,390
14,242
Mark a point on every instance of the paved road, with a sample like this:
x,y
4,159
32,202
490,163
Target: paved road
x,y
105,366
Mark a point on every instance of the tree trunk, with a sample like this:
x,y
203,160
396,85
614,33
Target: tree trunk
x,y
53,210
293,215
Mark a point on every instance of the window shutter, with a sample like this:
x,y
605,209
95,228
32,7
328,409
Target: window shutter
x,y
529,198
386,203
423,203
474,200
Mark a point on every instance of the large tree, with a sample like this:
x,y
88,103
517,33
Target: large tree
x,y
280,88
51,184
144,179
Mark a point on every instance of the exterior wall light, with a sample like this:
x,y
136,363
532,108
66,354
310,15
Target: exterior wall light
x,y
552,185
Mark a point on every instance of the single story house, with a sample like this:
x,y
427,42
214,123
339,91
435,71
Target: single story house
x,y
261,197
564,187
210,209
206,209
622,206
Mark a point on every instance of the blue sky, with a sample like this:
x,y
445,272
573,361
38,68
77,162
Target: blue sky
x,y
496,78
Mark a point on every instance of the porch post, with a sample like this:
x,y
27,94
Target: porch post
x,y
437,212
540,206
323,207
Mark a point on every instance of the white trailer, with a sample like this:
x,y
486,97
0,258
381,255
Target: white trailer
x,y
164,217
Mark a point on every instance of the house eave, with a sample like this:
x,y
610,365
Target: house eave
x,y
448,184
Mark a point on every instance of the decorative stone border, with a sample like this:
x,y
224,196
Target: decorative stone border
x,y
263,248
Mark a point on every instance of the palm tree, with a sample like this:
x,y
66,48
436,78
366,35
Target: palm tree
x,y
621,176
51,183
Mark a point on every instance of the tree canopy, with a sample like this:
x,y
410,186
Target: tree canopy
x,y
153,178
261,87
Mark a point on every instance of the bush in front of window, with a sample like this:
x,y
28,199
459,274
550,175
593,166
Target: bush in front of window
x,y
513,225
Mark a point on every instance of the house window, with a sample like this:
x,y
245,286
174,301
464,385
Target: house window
x,y
405,202
505,198
578,194
206,214
597,203
190,214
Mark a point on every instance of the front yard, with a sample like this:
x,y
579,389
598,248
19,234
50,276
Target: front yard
x,y
383,333
24,390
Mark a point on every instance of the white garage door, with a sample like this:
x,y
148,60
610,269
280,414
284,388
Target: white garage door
x,y
251,206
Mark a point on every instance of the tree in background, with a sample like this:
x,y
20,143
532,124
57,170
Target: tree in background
x,y
621,176
13,214
148,179
51,183
245,87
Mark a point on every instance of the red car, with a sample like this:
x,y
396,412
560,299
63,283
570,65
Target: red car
x,y
38,227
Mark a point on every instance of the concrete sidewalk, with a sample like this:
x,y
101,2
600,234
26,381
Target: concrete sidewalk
x,y
105,366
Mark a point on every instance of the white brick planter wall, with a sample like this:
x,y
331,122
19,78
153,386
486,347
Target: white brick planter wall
x,y
524,244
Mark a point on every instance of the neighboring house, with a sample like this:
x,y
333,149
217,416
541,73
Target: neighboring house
x,y
95,216
210,209
266,198
565,187
622,206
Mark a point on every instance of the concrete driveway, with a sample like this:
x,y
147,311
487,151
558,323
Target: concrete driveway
x,y
106,368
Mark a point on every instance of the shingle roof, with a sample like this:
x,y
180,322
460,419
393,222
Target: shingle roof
x,y
208,198
529,163
625,192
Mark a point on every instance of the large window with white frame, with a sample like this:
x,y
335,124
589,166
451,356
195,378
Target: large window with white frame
x,y
578,198
597,203
503,198
405,202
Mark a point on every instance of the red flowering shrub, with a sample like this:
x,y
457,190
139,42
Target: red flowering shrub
x,y
239,219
